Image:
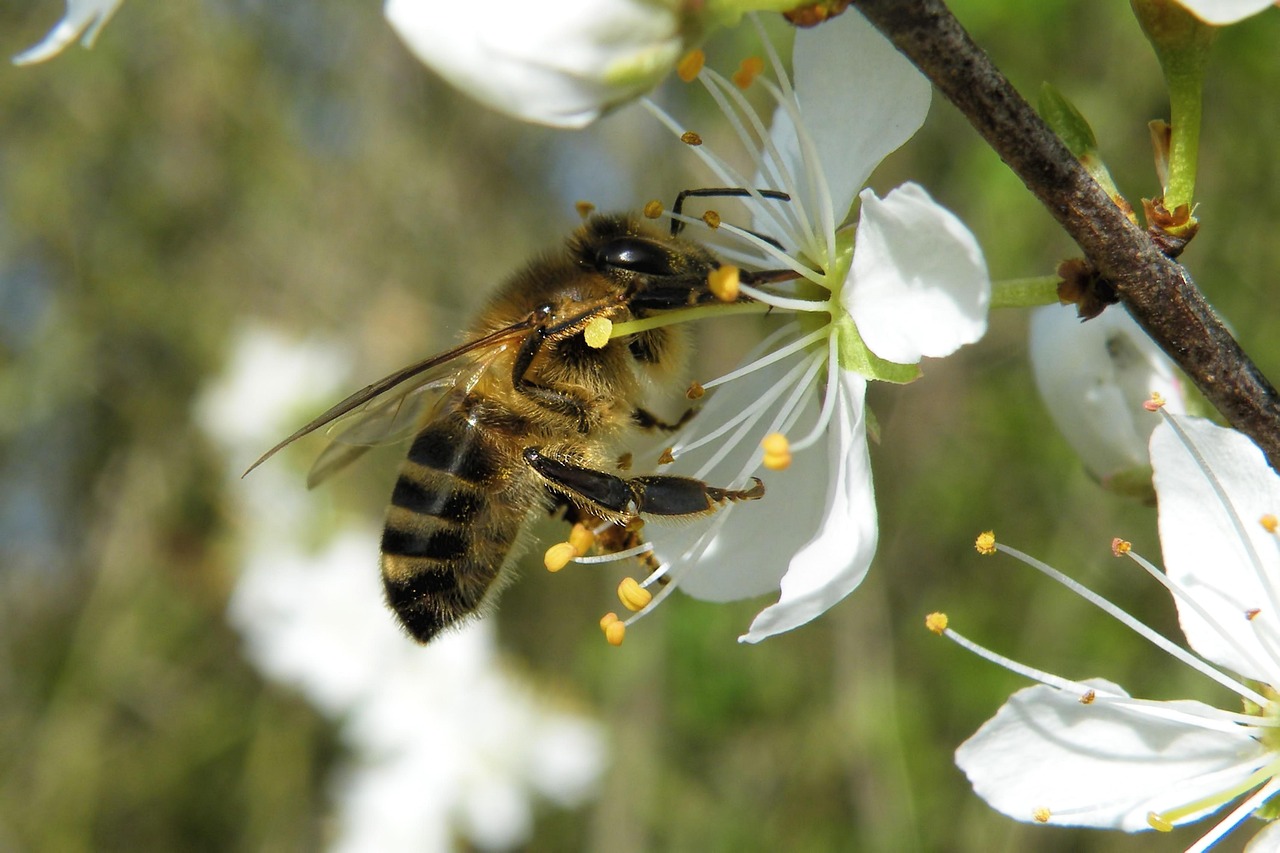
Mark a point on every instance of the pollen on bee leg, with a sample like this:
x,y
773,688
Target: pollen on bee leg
x,y
1040,814
986,543
723,282
748,71
560,555
1120,547
633,596
597,332
936,622
1158,822
1155,403
614,629
690,65
584,208
777,452
653,209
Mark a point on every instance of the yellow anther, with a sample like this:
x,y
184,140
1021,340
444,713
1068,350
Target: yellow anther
x,y
1156,403
1119,547
1041,814
666,457
777,452
584,208
1253,613
615,633
690,138
1269,523
653,209
1158,823
581,539
712,219
748,71
607,620
559,555
986,543
936,622
633,596
695,391
598,331
723,282
1088,697
690,65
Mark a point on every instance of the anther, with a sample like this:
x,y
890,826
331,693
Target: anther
x,y
690,138
633,596
986,543
666,457
711,219
936,622
559,555
584,208
1120,547
695,391
1253,613
597,332
1158,823
581,539
1155,404
1040,814
777,452
723,282
653,209
690,65
1088,697
1269,523
748,71
613,628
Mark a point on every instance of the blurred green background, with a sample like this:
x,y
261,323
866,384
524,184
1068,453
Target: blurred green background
x,y
210,166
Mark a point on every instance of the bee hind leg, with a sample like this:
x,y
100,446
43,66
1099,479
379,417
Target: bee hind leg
x,y
624,498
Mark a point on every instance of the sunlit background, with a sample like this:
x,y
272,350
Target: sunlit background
x,y
228,215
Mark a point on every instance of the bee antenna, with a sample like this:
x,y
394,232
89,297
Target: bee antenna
x,y
721,192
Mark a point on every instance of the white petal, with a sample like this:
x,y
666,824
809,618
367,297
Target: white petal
x,y
836,560
555,63
919,284
85,17
1094,377
754,542
1219,551
1225,11
1100,765
860,99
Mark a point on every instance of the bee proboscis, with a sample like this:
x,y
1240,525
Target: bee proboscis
x,y
526,416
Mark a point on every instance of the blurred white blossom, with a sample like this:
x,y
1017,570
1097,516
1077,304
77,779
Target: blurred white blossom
x,y
84,20
1220,12
1088,754
1094,378
443,741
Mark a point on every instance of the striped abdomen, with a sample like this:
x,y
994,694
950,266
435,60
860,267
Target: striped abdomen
x,y
448,534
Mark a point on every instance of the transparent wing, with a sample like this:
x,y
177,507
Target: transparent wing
x,y
396,400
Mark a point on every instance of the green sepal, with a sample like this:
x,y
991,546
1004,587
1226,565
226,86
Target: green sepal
x,y
855,356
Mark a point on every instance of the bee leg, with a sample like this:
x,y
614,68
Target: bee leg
x,y
646,420
617,497
557,401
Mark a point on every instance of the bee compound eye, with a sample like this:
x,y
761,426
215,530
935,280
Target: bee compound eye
x,y
635,254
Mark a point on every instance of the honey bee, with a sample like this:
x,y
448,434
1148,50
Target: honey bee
x,y
525,416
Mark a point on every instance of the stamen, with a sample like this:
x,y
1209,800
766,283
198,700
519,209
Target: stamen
x,y
828,401
695,391
1155,404
690,64
1041,814
1231,821
750,413
558,556
1088,697
666,457
614,556
777,452
711,219
986,543
653,209
1158,823
633,596
584,208
936,622
581,538
614,629
748,71
1120,547
724,282
777,355
691,138
1169,817
1269,523
597,332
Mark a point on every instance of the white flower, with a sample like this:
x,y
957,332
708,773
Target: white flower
x,y
1220,12
84,20
1093,377
912,284
559,63
1086,753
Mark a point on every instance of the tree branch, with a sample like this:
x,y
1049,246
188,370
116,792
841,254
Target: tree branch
x,y
1157,291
